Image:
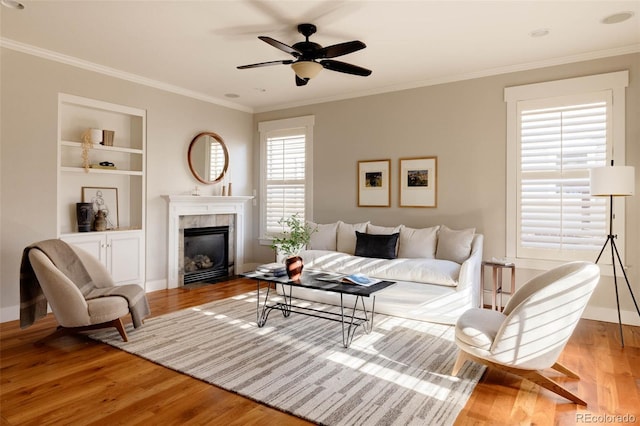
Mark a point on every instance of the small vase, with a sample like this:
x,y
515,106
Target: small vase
x,y
84,215
294,267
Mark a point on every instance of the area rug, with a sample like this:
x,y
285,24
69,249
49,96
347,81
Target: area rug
x,y
399,374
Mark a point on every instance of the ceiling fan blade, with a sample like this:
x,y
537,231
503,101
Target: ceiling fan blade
x,y
340,49
279,45
344,67
266,64
301,81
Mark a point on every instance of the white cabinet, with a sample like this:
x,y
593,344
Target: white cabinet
x,y
122,247
122,253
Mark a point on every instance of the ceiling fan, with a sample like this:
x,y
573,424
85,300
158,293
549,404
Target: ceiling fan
x,y
310,57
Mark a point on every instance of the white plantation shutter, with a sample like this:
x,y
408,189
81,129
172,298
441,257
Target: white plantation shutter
x,y
560,140
286,173
285,180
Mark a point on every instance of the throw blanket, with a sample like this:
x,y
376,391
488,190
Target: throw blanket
x,y
33,304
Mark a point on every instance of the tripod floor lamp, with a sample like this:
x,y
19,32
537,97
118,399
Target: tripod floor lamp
x,y
614,181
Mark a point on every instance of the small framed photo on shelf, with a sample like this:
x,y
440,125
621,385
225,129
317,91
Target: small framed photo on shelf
x,y
374,189
419,182
105,199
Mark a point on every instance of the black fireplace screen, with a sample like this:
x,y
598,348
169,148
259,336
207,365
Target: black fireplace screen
x,y
206,254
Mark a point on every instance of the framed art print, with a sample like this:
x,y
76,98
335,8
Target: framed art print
x,y
105,199
419,182
374,189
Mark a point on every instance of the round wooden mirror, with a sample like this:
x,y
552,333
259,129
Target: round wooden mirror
x,y
208,157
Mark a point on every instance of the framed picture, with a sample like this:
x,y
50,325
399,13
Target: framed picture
x,y
105,199
419,182
374,189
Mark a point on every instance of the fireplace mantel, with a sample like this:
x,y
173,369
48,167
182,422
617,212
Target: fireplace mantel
x,y
188,205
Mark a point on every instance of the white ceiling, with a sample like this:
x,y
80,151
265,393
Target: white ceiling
x,y
193,47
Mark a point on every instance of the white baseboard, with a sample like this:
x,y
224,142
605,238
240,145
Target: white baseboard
x,y
611,315
10,313
155,285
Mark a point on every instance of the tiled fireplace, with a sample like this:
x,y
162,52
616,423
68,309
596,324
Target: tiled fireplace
x,y
203,212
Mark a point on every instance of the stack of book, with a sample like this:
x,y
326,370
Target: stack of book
x,y
272,269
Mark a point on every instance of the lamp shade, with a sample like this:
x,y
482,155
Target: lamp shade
x,y
613,180
306,69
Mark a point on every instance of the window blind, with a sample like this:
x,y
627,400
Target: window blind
x,y
285,180
558,146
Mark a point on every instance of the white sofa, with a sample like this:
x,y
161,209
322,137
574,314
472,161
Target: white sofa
x,y
436,269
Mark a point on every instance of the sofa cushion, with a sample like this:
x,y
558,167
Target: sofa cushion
x,y
431,271
324,237
376,245
383,230
454,245
478,327
346,242
418,243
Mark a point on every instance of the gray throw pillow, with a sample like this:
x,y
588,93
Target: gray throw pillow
x,y
454,245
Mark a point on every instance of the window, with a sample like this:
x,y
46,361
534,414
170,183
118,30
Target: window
x,y
557,131
286,175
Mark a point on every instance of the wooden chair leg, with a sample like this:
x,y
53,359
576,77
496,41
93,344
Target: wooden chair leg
x,y
61,331
531,375
564,370
460,360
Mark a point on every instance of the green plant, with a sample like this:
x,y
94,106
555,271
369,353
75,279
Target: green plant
x,y
290,242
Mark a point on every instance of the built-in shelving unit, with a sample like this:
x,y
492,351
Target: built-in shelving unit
x,y
122,248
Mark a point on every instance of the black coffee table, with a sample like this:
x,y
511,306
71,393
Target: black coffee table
x,y
318,280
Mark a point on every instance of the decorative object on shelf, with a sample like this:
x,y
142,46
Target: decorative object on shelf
x,y
84,215
107,137
614,181
86,146
196,191
100,222
105,200
208,157
96,136
374,188
224,190
108,165
229,191
419,182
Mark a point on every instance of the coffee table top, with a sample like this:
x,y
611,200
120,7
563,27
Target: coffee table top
x,y
321,280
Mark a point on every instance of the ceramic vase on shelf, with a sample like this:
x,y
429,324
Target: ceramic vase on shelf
x,y
294,267
84,216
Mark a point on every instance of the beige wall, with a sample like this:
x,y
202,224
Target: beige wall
x,y
30,87
461,123
464,125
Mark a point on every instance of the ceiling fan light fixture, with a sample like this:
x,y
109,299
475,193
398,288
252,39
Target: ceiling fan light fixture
x,y
306,69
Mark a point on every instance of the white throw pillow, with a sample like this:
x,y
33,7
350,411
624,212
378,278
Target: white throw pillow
x,y
418,243
346,242
383,230
325,236
454,245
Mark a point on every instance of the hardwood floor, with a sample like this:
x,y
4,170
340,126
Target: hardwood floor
x,y
74,380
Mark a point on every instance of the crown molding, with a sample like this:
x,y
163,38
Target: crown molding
x,y
90,66
112,72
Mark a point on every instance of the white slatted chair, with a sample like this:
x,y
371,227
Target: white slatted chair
x,y
531,332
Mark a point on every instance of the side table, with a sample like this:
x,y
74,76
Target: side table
x,y
497,269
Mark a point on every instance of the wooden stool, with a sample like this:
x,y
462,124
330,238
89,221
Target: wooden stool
x,y
497,270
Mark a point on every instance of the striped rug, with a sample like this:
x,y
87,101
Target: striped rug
x,y
397,375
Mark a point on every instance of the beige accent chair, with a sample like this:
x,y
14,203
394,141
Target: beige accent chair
x,y
531,332
69,306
